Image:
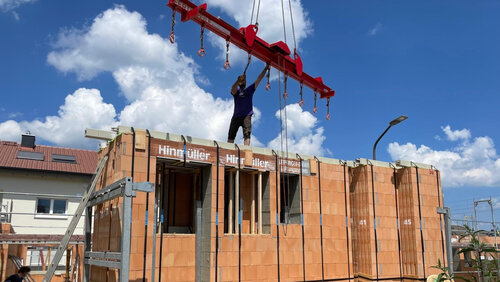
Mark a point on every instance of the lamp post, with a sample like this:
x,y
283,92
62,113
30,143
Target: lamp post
x,y
391,124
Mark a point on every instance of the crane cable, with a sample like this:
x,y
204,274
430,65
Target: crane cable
x,y
293,28
257,14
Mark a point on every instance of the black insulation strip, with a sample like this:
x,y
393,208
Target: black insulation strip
x,y
346,225
374,221
277,218
397,222
239,208
440,217
321,221
162,216
217,214
302,222
147,210
420,218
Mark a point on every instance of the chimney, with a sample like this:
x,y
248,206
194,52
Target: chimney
x,y
28,141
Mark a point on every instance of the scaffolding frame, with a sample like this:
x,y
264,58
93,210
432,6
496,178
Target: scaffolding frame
x,y
127,189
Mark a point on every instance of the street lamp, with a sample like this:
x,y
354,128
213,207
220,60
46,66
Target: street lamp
x,y
391,124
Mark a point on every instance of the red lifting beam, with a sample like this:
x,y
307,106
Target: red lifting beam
x,y
276,54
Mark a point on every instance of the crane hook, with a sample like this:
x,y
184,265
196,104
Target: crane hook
x,y
172,36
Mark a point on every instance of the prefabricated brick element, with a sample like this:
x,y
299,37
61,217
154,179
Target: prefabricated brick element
x,y
335,221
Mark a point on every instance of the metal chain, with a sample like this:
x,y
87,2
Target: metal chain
x,y
226,64
315,109
248,63
202,52
172,37
268,85
328,108
301,102
285,94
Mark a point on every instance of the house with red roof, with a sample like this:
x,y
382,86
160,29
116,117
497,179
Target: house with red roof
x,y
40,189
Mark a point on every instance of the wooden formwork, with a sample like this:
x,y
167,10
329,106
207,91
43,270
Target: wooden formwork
x,y
307,208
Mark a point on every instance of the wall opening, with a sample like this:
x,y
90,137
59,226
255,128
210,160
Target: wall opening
x,y
254,201
289,198
178,190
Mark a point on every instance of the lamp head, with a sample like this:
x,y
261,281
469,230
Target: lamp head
x,y
397,120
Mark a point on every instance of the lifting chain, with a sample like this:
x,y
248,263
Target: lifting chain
x,y
172,37
315,109
301,102
248,64
328,108
285,94
226,64
202,52
268,85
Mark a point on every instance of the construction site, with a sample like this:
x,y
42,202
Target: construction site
x,y
164,206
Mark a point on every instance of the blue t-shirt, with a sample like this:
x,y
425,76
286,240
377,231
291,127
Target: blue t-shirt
x,y
243,104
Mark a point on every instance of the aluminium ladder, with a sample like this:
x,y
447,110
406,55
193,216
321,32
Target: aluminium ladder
x,y
74,222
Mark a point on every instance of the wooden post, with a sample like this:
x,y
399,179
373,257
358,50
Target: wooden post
x,y
259,217
252,206
230,211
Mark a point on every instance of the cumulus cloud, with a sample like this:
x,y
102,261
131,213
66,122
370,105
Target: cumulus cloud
x,y
8,5
303,136
159,82
474,162
454,135
270,22
81,109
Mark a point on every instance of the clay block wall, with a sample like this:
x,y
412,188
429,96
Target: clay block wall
x,y
347,221
419,197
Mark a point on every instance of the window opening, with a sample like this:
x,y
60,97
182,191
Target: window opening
x,y
183,187
290,198
254,202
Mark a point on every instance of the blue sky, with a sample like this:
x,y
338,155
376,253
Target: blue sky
x,y
69,65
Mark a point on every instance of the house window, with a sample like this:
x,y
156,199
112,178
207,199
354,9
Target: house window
x,y
51,206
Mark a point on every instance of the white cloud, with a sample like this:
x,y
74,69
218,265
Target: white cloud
x,y
373,31
454,135
159,82
8,5
303,137
15,15
471,163
84,108
270,23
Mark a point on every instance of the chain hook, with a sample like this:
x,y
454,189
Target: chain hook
x,y
268,85
285,94
226,64
202,52
172,36
301,102
315,109
328,108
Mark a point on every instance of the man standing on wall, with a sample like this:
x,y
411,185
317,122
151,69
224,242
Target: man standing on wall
x,y
243,106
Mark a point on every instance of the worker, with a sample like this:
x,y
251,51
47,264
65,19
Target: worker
x,y
21,274
243,106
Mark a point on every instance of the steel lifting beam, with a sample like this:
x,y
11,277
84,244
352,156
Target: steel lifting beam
x,y
277,54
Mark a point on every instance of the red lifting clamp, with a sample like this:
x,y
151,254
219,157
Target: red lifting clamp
x,y
276,54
